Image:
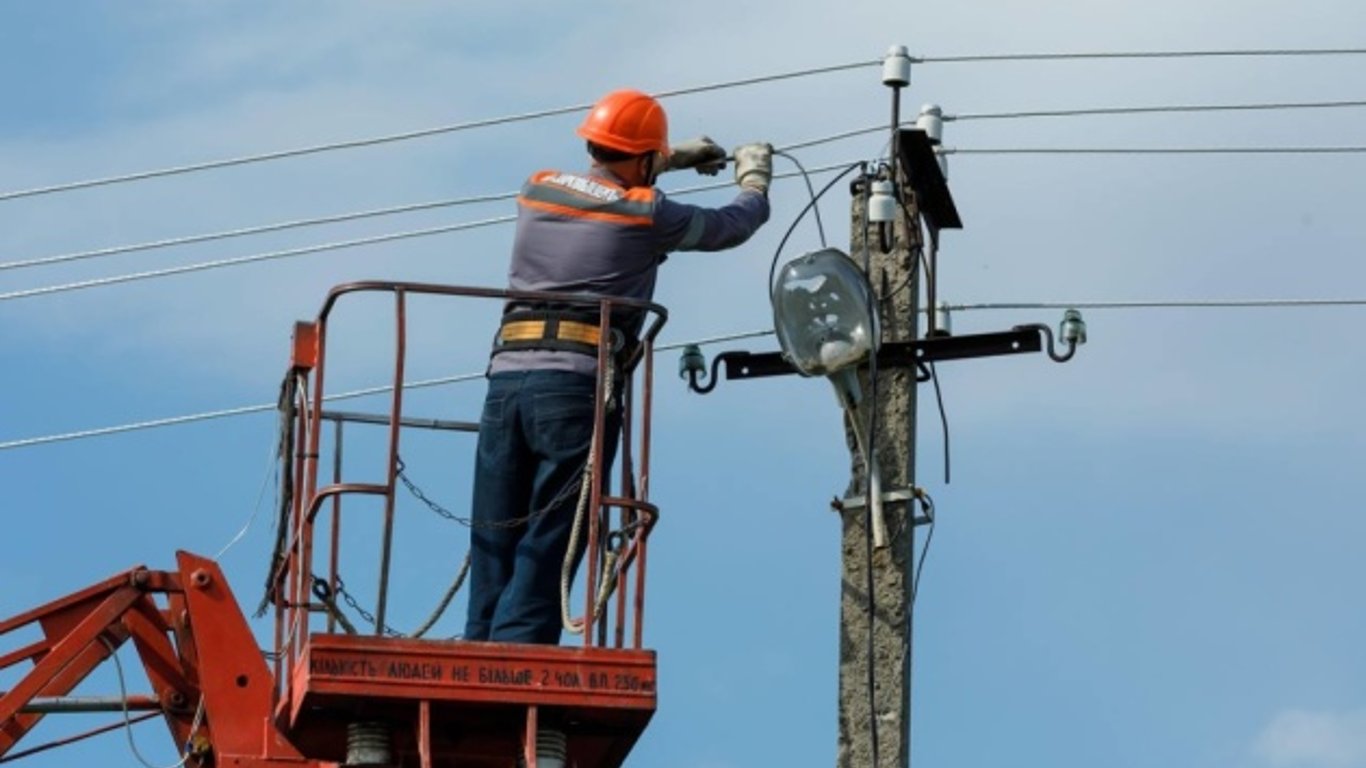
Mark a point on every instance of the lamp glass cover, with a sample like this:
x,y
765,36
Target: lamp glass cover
x,y
822,313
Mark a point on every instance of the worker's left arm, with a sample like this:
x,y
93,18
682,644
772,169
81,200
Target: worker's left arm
x,y
683,227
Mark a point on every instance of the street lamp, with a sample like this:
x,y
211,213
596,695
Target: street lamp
x,y
826,320
824,316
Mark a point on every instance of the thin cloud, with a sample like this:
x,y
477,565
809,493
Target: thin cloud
x,y
1314,739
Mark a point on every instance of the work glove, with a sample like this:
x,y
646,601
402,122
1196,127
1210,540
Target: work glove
x,y
701,153
754,166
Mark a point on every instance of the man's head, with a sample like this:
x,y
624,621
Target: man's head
x,y
628,134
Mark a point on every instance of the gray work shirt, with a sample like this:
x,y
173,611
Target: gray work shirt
x,y
589,233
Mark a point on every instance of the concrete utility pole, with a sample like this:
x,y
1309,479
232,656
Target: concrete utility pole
x,y
894,278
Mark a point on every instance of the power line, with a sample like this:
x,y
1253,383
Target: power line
x,y
1086,112
985,306
495,197
500,196
1160,109
1232,53
557,111
256,230
137,426
405,135
347,217
306,250
254,258
1341,150
1184,304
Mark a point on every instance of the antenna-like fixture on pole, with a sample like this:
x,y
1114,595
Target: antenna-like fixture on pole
x,y
896,74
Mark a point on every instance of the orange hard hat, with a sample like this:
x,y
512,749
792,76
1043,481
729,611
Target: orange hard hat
x,y
628,121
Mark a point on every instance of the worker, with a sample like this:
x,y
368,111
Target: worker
x,y
603,232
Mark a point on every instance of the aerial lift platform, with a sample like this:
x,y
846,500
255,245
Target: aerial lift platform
x,y
329,695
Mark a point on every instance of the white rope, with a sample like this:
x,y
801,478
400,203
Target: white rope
x,y
446,599
572,625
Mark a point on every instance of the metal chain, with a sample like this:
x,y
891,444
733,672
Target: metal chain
x,y
514,522
355,605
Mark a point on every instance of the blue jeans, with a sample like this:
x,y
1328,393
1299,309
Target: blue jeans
x,y
534,437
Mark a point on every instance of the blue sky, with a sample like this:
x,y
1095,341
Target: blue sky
x,y
1148,556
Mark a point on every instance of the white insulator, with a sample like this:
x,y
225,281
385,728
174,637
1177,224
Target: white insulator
x,y
882,203
896,68
943,319
931,121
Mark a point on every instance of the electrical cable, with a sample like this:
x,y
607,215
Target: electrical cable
x,y
224,413
557,111
240,260
69,740
930,276
783,149
1159,109
272,469
415,207
773,267
869,489
810,189
266,407
1233,53
1084,112
1179,304
306,250
128,722
924,548
256,230
943,418
462,226
455,379
408,135
1338,150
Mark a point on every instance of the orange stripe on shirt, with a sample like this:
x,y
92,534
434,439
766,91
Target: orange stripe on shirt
x,y
579,213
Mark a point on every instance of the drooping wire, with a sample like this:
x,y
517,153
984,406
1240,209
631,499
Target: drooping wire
x,y
924,548
815,200
943,419
811,190
272,470
128,721
924,260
